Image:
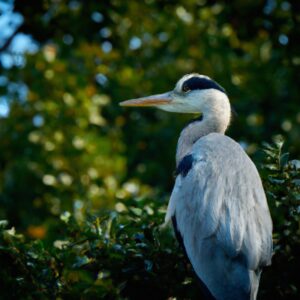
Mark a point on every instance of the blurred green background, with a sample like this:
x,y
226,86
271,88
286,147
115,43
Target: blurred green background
x,y
66,145
65,65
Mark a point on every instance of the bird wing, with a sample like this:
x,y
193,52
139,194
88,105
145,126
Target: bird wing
x,y
221,210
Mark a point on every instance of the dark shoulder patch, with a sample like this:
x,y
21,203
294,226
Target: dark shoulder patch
x,y
185,165
201,83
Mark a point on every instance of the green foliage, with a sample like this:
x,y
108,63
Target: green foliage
x,y
114,256
129,255
282,182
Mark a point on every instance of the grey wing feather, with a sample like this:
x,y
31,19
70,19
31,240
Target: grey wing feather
x,y
223,217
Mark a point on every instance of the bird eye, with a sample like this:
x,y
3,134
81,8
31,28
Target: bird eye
x,y
185,88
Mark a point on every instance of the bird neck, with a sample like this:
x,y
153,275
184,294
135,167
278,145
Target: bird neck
x,y
214,119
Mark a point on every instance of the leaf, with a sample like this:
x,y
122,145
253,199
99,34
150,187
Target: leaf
x,y
271,167
148,265
3,224
268,146
284,159
137,211
296,196
276,181
279,141
65,216
295,164
271,153
296,182
81,261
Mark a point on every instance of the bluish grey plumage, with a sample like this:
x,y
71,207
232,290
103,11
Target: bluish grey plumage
x,y
223,218
218,206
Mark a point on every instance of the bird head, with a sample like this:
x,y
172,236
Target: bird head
x,y
193,93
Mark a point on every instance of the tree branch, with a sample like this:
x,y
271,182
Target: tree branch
x,y
9,40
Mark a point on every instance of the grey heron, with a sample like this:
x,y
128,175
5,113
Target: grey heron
x,y
218,205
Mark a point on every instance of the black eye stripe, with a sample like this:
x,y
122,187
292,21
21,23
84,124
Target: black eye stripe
x,y
201,83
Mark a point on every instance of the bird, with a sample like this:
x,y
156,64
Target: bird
x,y
218,205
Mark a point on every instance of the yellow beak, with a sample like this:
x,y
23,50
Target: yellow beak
x,y
154,100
